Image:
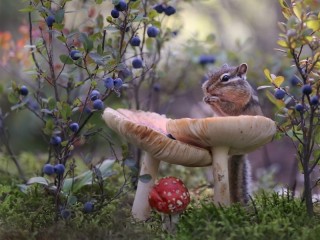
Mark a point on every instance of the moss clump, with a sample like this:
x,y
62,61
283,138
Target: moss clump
x,y
270,216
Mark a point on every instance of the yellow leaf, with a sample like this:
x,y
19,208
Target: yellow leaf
x,y
297,10
314,24
282,43
278,81
267,74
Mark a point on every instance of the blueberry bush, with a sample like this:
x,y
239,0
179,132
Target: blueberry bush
x,y
296,98
71,72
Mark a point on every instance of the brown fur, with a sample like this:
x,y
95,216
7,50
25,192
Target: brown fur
x,y
233,98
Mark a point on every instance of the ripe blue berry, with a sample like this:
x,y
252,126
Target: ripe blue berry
x,y
135,41
159,8
48,169
137,63
152,31
279,93
306,89
169,11
117,83
88,207
206,59
98,104
115,13
75,54
50,20
94,95
24,91
314,100
108,82
59,169
65,213
121,6
55,140
294,81
74,127
299,107
156,87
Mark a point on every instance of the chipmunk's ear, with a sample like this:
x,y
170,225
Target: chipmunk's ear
x,y
242,69
225,66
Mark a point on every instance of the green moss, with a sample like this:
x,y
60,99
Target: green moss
x,y
269,217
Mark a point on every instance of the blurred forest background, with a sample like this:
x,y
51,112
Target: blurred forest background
x,y
232,31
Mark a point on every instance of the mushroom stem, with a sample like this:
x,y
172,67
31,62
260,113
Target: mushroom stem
x,y
220,165
169,222
141,209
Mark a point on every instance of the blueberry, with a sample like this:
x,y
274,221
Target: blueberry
x,y
94,95
117,83
159,8
279,93
169,11
314,100
59,169
24,91
65,213
121,6
74,127
156,87
48,169
294,81
137,63
206,59
152,31
135,41
98,104
115,13
50,20
88,207
108,82
299,107
75,54
306,89
55,140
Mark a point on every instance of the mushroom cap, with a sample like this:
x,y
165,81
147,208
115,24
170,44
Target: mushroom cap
x,y
169,195
242,134
147,130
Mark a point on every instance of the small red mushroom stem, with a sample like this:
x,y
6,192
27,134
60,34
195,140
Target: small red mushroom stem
x,y
141,209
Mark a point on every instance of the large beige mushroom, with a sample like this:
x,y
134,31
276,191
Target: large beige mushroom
x,y
147,131
224,136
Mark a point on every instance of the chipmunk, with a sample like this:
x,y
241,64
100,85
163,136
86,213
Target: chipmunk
x,y
229,94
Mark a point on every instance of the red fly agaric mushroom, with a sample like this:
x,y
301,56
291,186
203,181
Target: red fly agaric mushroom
x,y
147,131
170,197
225,136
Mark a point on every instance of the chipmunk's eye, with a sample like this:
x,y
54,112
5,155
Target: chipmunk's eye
x,y
225,78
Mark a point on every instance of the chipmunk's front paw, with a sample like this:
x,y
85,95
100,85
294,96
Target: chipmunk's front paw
x,y
210,99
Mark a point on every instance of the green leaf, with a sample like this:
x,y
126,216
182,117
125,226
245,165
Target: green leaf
x,y
135,5
62,39
98,59
66,59
49,127
72,200
39,180
86,178
152,14
51,103
145,178
27,9
98,1
86,41
13,98
59,16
